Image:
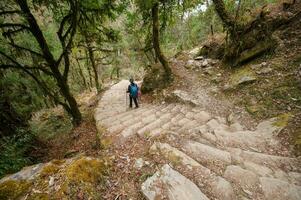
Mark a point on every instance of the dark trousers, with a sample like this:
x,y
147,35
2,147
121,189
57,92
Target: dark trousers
x,y
135,101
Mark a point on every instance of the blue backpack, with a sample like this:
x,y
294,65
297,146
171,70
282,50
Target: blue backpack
x,y
133,90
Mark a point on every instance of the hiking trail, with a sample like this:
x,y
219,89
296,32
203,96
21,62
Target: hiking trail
x,y
202,156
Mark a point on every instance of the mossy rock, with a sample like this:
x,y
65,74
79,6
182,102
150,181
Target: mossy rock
x,y
71,176
260,48
86,170
213,47
282,120
155,78
49,169
242,76
12,189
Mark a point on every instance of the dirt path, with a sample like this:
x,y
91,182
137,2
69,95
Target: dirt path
x,y
176,151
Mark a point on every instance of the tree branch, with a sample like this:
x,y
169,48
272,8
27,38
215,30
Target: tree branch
x,y
10,12
17,65
12,32
25,49
13,25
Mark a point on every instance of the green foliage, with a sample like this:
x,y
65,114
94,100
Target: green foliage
x,y
13,152
23,93
50,124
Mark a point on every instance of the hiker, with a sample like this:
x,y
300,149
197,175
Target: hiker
x,y
133,91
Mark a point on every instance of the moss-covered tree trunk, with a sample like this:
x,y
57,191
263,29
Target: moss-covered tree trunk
x,y
156,42
227,19
94,67
81,73
61,79
244,42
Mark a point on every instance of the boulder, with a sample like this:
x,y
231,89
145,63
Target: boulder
x,y
246,79
195,52
184,97
264,70
199,58
170,184
190,64
58,179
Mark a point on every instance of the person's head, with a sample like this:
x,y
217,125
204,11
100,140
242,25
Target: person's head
x,y
131,80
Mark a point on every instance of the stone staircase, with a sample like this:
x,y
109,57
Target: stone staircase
x,y
213,159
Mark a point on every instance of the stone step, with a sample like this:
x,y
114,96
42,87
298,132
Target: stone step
x,y
156,132
131,130
189,125
213,158
167,183
120,116
168,108
229,136
177,118
246,140
286,164
275,189
155,124
244,180
211,184
202,117
116,128
177,108
149,119
101,116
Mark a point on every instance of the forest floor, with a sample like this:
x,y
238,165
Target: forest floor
x,y
57,139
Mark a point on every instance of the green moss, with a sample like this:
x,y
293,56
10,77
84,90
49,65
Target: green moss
x,y
49,170
58,162
283,120
106,142
39,196
259,49
50,125
86,170
14,189
298,139
239,73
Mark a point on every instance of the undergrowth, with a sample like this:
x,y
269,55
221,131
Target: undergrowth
x,y
14,152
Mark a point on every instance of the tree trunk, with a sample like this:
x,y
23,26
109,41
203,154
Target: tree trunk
x,y
156,42
89,69
94,67
73,109
82,74
65,91
227,19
